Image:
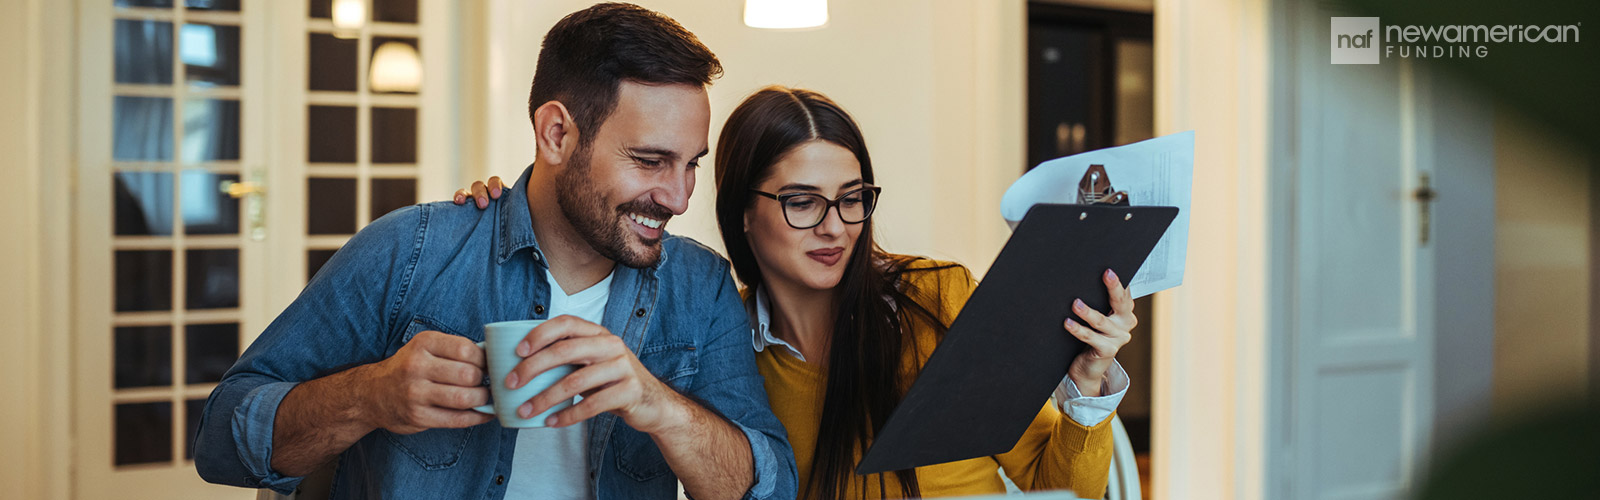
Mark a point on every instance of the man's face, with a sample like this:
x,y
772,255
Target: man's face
x,y
619,191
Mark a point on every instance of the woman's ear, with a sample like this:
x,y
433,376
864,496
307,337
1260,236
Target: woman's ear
x,y
746,222
554,132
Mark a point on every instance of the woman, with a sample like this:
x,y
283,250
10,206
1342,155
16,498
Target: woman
x,y
842,327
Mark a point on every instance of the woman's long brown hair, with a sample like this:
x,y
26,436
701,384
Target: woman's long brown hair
x,y
867,359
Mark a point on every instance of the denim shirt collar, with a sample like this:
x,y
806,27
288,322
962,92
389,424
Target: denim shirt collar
x,y
516,224
761,335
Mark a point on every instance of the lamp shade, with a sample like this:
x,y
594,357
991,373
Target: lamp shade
x,y
396,67
785,14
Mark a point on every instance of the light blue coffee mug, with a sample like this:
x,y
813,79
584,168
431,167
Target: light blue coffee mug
x,y
500,347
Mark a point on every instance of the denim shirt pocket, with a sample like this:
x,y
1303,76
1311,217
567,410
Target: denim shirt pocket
x,y
637,455
433,449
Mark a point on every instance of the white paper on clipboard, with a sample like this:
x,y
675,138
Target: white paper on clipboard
x,y
1156,172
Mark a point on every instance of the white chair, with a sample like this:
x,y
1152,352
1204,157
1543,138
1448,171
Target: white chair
x,y
1123,483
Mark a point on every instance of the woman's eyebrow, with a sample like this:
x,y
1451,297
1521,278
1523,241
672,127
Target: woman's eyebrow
x,y
795,186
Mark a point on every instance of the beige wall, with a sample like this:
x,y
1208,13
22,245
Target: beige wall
x,y
1542,266
942,114
34,137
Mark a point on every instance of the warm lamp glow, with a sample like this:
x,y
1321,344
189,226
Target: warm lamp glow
x,y
348,17
396,67
785,14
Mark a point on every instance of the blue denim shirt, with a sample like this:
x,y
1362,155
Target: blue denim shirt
x,y
453,269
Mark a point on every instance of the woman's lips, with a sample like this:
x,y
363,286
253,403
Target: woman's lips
x,y
827,256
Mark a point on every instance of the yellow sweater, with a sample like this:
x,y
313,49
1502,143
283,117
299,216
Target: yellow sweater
x,y
1054,453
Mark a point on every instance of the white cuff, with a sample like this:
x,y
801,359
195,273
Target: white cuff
x,y
1090,411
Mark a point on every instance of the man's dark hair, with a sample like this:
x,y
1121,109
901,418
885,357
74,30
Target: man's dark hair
x,y
588,54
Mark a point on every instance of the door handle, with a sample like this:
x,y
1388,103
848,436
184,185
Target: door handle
x,y
253,193
1424,194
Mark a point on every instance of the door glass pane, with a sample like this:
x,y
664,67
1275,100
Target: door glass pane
x,y
212,278
394,135
330,206
331,134
206,209
143,128
143,3
143,52
229,5
210,54
210,130
394,11
315,259
333,63
194,409
144,433
322,9
209,350
143,280
143,356
390,194
396,66
143,203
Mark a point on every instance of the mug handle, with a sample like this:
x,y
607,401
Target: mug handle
x,y
489,407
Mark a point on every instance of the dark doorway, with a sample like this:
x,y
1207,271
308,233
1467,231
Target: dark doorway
x,y
1091,85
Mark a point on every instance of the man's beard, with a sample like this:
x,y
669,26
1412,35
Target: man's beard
x,y
602,227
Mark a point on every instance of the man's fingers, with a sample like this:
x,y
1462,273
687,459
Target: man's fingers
x,y
461,196
447,418
604,400
586,379
452,347
570,351
456,373
495,187
555,329
456,397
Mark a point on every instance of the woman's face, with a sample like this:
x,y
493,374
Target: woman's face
x,y
814,258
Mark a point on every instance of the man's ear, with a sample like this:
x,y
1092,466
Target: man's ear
x,y
554,132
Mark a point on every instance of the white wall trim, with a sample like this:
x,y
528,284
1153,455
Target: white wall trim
x,y
1210,361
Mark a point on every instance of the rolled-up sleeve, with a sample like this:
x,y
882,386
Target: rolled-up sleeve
x,y
340,320
730,384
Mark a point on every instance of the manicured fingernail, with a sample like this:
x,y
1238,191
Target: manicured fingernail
x,y
482,203
1078,304
523,349
1111,274
526,410
511,380
550,422
1071,323
459,199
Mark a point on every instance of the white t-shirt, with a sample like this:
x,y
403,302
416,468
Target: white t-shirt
x,y
554,463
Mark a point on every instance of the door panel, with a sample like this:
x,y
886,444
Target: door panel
x,y
1360,384
207,179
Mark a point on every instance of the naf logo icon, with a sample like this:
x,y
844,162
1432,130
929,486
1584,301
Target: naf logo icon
x,y
1355,40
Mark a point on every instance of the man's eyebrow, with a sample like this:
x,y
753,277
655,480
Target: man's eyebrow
x,y
664,153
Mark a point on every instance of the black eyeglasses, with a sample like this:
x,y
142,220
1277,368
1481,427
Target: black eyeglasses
x,y
807,210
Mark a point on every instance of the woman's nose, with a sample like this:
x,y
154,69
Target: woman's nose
x,y
832,223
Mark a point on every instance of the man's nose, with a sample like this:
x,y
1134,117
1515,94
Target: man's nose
x,y
674,194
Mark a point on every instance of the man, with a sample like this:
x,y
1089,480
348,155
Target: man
x,y
375,366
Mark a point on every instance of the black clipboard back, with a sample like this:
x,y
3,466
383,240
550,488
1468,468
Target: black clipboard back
x,y
1006,352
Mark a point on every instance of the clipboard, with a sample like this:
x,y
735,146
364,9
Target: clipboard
x,y
1006,351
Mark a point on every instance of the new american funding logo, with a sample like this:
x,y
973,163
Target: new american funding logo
x,y
1364,40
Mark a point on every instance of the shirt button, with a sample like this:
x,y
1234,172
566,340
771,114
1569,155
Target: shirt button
x,y
498,480
538,309
639,313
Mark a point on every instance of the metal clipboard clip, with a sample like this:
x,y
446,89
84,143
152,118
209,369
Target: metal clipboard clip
x,y
1095,189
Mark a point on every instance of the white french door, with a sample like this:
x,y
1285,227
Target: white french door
x,y
1359,387
226,149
